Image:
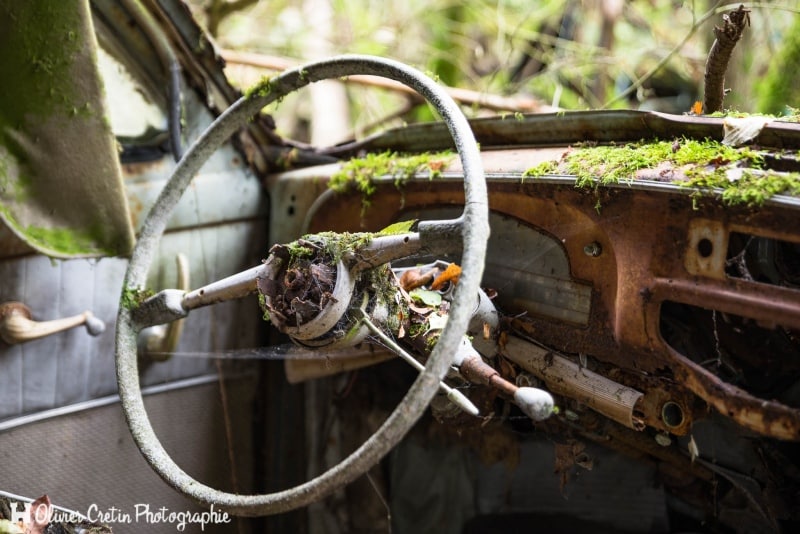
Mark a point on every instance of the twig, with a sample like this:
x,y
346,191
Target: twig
x,y
219,9
383,501
463,96
649,74
720,55
695,26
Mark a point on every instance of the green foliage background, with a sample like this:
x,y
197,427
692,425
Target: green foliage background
x,y
479,44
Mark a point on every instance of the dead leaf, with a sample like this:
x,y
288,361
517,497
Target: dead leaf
x,y
450,274
436,166
506,369
502,339
413,278
40,514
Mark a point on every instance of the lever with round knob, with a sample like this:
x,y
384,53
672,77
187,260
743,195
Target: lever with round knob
x,y
17,325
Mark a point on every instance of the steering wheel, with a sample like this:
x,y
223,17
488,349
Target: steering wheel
x,y
475,231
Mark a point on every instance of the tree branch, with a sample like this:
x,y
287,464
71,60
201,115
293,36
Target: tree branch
x,y
720,55
462,96
219,9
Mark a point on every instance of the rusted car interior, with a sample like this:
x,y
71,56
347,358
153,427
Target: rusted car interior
x,y
633,360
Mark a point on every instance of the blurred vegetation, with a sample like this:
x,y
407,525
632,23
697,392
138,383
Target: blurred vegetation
x,y
779,93
567,54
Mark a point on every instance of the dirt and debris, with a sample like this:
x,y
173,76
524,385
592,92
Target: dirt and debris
x,y
305,286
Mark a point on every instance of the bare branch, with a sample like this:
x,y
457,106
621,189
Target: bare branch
x,y
463,96
718,58
219,9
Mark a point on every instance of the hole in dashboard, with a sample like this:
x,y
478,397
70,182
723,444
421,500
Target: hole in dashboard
x,y
705,248
672,414
763,259
764,362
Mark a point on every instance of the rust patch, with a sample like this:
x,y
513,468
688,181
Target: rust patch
x,y
651,253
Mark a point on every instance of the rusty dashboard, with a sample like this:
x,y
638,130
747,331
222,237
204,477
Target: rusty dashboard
x,y
650,309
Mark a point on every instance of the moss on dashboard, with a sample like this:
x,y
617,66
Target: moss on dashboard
x,y
611,164
745,187
704,165
359,174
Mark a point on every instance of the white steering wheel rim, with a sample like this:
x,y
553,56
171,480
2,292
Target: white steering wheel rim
x,y
475,230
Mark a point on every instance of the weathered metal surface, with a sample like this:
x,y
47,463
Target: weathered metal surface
x,y
221,227
72,366
648,241
550,129
62,190
564,377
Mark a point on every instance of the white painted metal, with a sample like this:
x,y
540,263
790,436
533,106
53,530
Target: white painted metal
x,y
220,225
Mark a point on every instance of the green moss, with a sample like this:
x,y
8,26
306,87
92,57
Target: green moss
x,y
64,240
45,47
542,169
328,246
262,302
417,329
260,89
337,244
432,338
67,241
50,99
751,188
402,227
790,114
706,165
358,174
132,297
297,249
605,165
36,88
13,182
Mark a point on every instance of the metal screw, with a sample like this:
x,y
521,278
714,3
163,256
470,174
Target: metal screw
x,y
593,249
